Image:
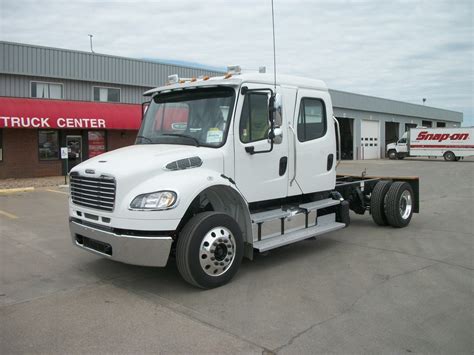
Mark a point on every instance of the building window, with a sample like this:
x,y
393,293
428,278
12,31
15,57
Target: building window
x,y
441,124
48,145
1,144
42,90
427,124
106,94
254,122
96,141
311,120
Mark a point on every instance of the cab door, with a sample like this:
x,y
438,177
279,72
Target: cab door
x,y
315,140
260,176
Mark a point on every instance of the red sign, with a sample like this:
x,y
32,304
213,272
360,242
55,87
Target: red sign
x,y
44,114
96,141
425,135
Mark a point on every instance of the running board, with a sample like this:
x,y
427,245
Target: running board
x,y
298,235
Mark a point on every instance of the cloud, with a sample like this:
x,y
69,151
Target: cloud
x,y
405,49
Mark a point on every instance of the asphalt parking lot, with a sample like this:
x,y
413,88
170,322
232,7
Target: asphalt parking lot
x,y
363,289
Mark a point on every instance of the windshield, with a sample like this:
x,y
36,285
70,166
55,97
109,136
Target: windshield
x,y
198,117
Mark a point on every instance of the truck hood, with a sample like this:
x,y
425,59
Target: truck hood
x,y
138,163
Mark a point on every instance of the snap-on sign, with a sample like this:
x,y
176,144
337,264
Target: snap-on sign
x,y
425,135
59,114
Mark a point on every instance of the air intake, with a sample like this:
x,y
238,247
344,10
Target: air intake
x,y
182,164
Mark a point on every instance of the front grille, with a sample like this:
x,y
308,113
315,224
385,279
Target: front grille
x,y
97,193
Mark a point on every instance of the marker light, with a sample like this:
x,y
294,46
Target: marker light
x,y
154,201
234,69
173,79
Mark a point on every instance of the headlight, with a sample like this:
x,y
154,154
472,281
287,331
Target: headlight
x,y
159,200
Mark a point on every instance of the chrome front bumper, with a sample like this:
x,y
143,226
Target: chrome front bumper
x,y
144,251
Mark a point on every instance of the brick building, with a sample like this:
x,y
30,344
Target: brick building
x,y
88,102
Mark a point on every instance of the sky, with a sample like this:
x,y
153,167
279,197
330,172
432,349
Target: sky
x,y
399,49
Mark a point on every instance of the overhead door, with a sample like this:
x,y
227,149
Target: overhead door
x,y
370,140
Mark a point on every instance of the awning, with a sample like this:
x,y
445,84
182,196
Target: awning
x,y
60,114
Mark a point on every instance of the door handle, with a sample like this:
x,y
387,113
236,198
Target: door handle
x,y
283,165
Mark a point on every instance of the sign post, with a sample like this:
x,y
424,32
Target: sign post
x,y
65,155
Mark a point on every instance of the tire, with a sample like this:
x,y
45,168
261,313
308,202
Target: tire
x,y
377,202
458,158
400,156
449,156
215,264
399,204
392,154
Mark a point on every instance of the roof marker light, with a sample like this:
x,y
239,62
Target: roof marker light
x,y
227,76
234,69
205,77
173,79
193,80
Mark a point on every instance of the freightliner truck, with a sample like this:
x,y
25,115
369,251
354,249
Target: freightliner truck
x,y
223,168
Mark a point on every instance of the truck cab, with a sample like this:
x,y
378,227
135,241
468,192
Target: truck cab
x,y
398,150
222,167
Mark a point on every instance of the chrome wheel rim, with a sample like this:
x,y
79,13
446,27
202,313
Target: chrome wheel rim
x,y
217,251
405,204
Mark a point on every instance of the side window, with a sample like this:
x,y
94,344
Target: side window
x,y
311,120
254,123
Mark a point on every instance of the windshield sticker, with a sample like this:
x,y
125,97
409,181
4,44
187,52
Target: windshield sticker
x,y
214,135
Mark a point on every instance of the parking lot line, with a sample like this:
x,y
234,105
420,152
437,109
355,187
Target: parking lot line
x,y
58,192
9,215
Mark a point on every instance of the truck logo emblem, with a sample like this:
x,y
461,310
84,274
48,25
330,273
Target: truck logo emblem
x,y
90,171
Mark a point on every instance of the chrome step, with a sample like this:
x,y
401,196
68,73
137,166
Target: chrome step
x,y
317,205
261,217
326,224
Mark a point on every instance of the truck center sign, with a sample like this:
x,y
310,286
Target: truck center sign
x,y
59,114
47,122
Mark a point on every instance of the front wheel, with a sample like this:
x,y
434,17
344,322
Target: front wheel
x,y
392,154
209,250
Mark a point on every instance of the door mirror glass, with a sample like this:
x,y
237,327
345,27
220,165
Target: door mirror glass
x,y
278,110
145,108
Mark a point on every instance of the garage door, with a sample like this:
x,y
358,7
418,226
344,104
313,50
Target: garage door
x,y
370,140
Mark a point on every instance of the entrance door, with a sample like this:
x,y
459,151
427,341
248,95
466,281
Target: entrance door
x,y
370,139
262,176
74,147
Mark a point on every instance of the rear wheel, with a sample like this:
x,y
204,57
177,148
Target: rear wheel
x,y
449,156
377,204
392,154
209,250
399,204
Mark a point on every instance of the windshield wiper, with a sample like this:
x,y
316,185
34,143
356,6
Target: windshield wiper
x,y
181,135
145,138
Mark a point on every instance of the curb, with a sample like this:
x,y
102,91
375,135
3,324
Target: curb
x,y
19,189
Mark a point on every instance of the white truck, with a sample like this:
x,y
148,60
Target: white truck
x,y
224,167
452,144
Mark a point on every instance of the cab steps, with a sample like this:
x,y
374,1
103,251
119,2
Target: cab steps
x,y
279,227
325,224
